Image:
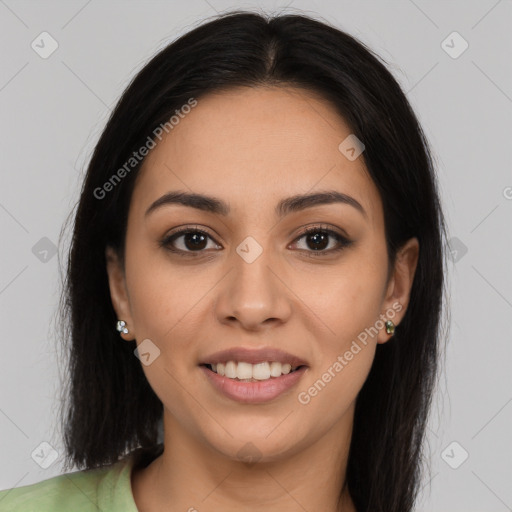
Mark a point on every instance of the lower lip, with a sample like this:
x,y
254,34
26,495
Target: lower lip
x,y
254,392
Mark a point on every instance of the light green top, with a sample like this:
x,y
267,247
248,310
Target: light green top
x,y
106,489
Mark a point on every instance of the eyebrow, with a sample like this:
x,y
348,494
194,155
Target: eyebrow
x,y
284,207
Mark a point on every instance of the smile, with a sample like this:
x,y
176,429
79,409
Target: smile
x,y
252,372
258,388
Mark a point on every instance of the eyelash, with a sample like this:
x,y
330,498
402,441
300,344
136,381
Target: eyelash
x,y
343,242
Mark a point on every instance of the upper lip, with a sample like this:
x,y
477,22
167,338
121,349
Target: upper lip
x,y
254,356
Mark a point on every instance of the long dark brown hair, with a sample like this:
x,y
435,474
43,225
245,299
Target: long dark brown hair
x,y
109,407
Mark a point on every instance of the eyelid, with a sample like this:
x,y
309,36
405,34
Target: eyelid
x,y
328,228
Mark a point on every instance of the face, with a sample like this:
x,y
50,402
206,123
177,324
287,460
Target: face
x,y
249,276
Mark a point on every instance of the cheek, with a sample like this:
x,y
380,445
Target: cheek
x,y
163,305
345,355
348,300
160,298
348,308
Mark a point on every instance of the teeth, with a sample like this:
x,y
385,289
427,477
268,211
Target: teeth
x,y
230,370
243,371
247,371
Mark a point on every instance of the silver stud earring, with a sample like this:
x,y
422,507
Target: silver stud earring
x,y
121,327
390,327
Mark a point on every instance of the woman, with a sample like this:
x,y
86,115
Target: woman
x,y
257,263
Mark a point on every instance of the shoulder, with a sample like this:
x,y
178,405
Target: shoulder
x,y
106,488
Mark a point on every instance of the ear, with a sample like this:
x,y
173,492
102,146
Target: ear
x,y
118,292
398,291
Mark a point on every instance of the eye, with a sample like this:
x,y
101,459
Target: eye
x,y
319,240
322,241
193,241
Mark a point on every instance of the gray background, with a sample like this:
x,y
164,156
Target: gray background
x,y
53,110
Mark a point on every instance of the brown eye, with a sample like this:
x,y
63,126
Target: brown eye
x,y
187,240
193,241
318,240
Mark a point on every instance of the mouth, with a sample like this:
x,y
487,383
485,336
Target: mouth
x,y
241,388
242,371
252,376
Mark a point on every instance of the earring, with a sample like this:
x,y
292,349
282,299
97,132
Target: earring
x,y
121,326
390,327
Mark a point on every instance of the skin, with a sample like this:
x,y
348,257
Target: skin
x,y
252,147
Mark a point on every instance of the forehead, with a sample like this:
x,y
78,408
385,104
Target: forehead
x,y
259,143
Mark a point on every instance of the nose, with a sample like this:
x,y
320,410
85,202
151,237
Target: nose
x,y
253,295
